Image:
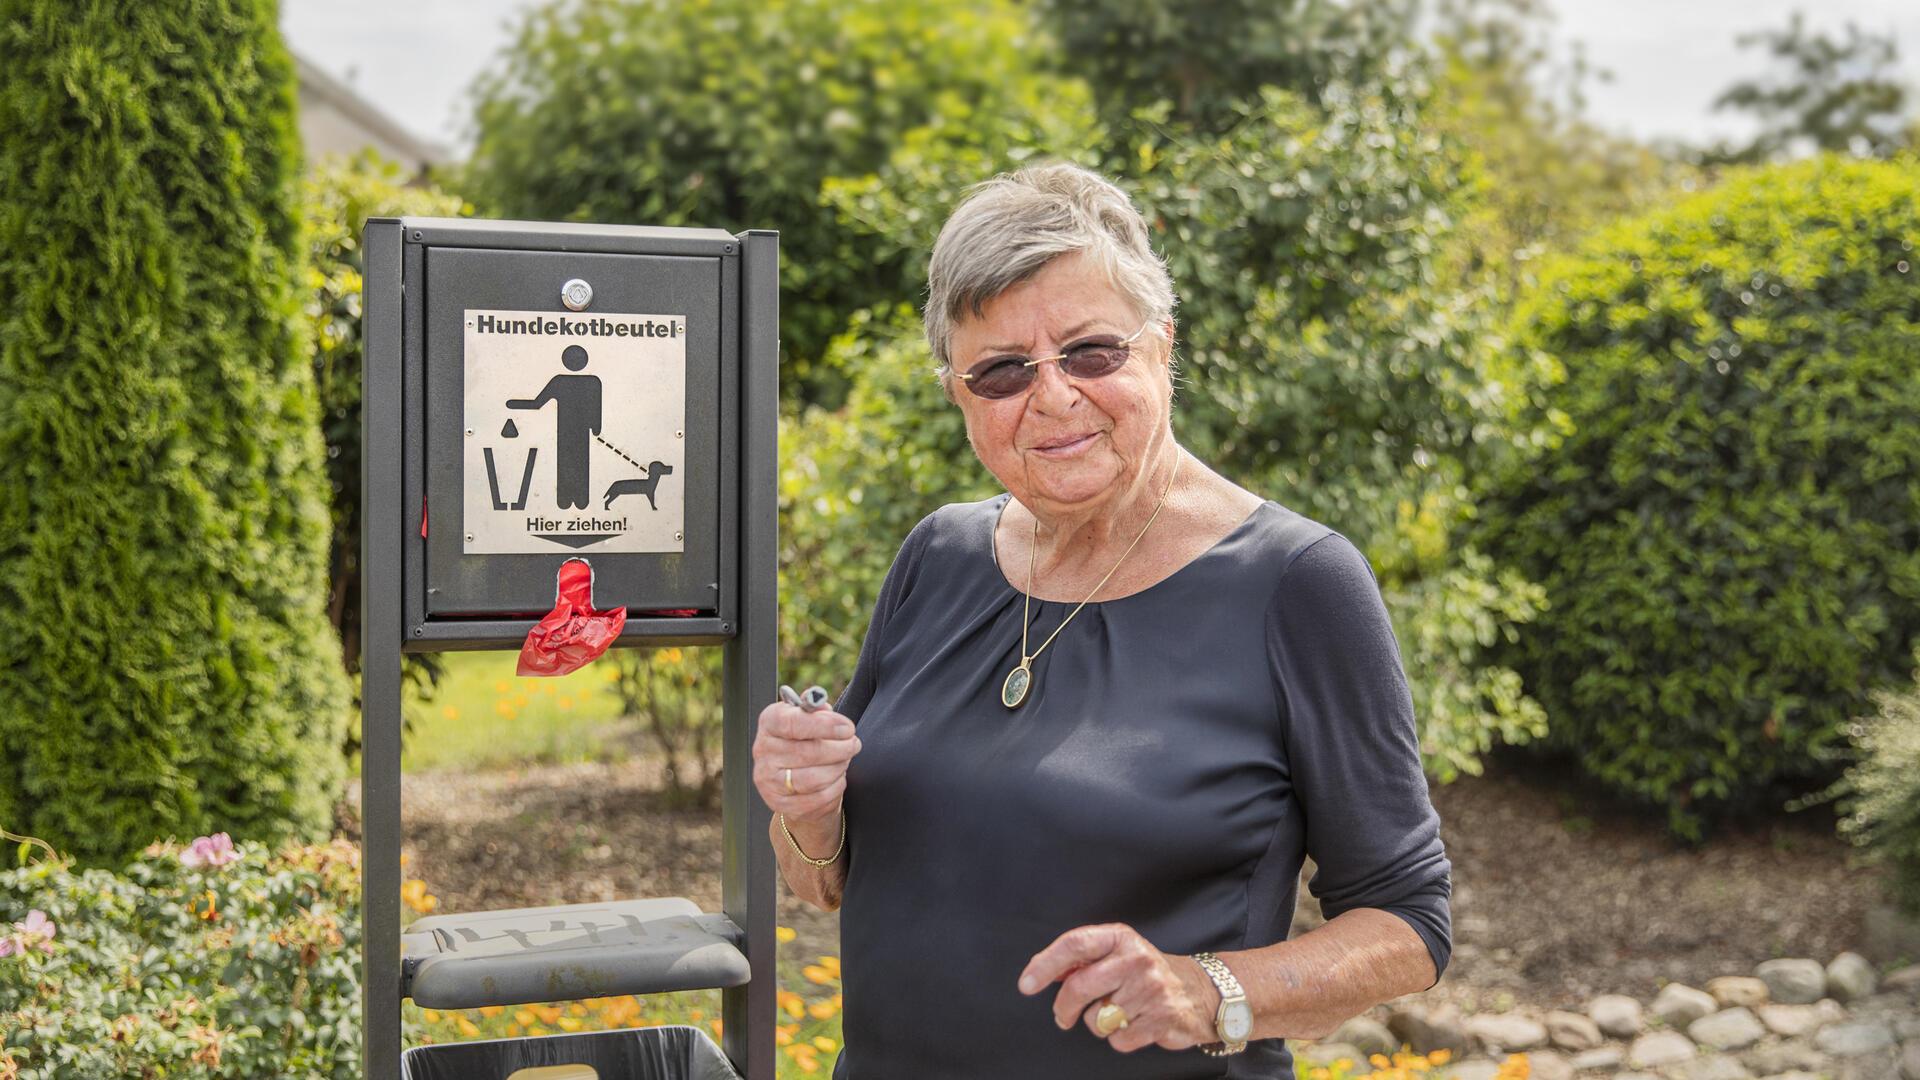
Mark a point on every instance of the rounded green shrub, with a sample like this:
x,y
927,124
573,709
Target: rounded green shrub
x,y
166,665
1728,522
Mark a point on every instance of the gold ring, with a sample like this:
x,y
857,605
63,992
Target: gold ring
x,y
1109,1019
790,782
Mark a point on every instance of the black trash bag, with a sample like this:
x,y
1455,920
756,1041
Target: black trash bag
x,y
664,1053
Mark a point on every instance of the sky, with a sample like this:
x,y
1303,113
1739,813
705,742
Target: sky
x,y
415,59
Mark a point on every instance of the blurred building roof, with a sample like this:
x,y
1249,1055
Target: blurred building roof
x,y
336,120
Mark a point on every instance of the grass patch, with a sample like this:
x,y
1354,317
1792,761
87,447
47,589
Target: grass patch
x,y
483,715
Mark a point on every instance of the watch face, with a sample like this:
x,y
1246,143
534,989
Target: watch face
x,y
1239,1021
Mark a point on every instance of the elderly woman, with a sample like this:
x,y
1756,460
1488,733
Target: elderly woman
x,y
1102,717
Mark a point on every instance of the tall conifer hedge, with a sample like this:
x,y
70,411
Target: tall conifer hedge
x,y
165,661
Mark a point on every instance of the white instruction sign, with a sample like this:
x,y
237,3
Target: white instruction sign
x,y
575,428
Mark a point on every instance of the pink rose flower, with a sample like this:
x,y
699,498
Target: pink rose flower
x,y
37,929
215,850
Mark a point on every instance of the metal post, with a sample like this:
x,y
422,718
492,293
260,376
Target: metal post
x,y
380,639
747,1012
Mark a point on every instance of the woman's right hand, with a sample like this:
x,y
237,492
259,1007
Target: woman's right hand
x,y
817,746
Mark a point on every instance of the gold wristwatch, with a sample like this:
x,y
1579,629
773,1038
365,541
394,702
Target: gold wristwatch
x,y
1234,1021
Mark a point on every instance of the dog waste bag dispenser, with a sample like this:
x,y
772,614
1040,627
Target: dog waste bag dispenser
x,y
534,395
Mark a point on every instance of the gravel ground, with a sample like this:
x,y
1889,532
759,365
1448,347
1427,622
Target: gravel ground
x,y
1557,896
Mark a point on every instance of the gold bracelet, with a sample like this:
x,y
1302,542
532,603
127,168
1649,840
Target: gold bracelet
x,y
829,860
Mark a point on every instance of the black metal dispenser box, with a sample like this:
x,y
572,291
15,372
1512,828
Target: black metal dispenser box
x,y
536,393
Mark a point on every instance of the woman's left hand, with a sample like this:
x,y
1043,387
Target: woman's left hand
x,y
1168,999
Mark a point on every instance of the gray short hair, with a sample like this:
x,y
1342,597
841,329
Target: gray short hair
x,y
1010,227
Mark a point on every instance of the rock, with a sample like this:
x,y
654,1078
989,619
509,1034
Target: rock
x,y
1792,1074
1794,1055
1793,982
1714,1067
1679,1004
1367,1035
1598,1059
1790,1020
1547,1065
1429,1029
1326,1053
1910,1061
1850,977
1828,1011
1616,1015
1906,1027
1741,990
1853,1039
1728,1029
1508,1031
1657,1048
1879,1065
1474,1070
1636,1075
1571,1031
1904,980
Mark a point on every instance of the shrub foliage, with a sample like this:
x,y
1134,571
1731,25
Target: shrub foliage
x,y
735,113
1880,794
1730,533
339,196
165,661
249,969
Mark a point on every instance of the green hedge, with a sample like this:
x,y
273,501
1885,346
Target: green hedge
x,y
165,659
1729,531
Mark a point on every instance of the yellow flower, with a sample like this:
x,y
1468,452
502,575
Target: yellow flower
x,y
817,974
671,656
1516,1067
1440,1056
782,1036
784,934
450,713
792,1003
523,1017
491,1011
414,894
431,1016
502,686
832,964
566,703
821,1010
825,1044
716,1028
571,1023
467,1027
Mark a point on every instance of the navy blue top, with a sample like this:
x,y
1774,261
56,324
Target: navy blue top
x,y
1180,751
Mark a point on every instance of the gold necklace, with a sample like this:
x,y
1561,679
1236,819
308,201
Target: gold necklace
x,y
1020,679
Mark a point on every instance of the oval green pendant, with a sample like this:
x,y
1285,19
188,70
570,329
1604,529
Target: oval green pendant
x,y
1014,690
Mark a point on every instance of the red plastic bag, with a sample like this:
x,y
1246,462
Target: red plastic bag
x,y
573,634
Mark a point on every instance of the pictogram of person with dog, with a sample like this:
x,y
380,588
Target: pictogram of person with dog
x,y
577,423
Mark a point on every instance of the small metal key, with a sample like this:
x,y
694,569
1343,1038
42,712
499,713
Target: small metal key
x,y
813,700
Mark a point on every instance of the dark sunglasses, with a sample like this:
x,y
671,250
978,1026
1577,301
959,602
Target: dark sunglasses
x,y
1006,376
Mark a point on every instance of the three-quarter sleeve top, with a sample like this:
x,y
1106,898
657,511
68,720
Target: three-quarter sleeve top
x,y
1180,751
